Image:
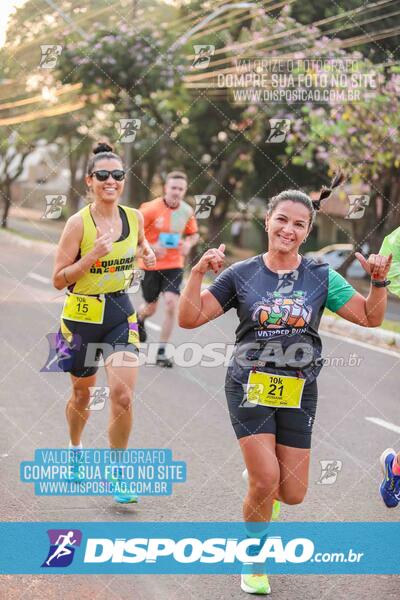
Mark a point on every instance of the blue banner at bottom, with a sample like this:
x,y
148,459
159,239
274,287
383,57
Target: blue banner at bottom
x,y
199,548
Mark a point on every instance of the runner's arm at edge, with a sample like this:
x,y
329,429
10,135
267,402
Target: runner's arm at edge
x,y
66,253
197,307
370,311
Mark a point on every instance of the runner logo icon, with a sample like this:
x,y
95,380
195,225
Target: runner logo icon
x,y
62,547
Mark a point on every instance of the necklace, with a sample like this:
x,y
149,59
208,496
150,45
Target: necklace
x,y
109,223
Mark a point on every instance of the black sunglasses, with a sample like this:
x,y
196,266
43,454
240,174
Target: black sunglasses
x,y
103,174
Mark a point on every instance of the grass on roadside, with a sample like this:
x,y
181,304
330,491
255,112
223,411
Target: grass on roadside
x,y
21,234
387,324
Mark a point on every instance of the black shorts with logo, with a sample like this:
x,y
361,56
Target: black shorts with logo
x,y
90,342
157,282
291,426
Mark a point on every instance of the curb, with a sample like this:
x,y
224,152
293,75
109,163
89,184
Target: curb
x,y
28,242
372,335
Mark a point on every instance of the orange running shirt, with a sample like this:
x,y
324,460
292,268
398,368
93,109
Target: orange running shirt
x,y
160,218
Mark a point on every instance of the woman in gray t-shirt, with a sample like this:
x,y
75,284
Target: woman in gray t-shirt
x,y
271,385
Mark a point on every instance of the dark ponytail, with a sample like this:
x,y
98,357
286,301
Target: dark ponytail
x,y
338,179
100,151
302,198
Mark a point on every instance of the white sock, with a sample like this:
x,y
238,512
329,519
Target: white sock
x,y
78,447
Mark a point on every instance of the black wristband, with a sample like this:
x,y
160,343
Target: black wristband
x,y
380,284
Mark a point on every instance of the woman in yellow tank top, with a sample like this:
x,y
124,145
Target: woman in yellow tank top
x,y
95,261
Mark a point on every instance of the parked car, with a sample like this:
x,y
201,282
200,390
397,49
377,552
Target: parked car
x,y
335,255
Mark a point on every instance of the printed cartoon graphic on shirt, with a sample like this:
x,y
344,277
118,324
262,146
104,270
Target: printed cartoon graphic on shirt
x,y
281,315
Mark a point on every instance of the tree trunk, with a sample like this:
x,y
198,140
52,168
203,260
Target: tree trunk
x,y
371,228
139,192
218,222
5,186
392,220
6,193
223,193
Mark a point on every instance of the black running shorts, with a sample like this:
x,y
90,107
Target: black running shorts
x,y
118,332
291,426
157,282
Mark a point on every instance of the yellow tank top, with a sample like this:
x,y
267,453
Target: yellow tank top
x,y
112,272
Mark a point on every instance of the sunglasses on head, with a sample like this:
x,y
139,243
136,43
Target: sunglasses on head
x,y
103,174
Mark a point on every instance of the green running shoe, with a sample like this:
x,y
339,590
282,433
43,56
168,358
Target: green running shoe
x,y
255,584
276,510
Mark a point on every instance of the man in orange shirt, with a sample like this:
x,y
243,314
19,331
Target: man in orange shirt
x,y
171,230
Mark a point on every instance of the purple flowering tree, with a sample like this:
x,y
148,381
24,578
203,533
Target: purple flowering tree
x,y
361,138
128,74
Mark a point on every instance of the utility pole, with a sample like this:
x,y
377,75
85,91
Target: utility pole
x,y
128,150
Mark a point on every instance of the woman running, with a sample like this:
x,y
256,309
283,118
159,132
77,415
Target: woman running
x,y
390,460
270,384
95,261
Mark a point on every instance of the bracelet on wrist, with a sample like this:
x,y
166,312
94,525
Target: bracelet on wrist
x,y
65,277
380,284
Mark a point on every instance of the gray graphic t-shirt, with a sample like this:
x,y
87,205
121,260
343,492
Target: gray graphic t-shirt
x,y
279,315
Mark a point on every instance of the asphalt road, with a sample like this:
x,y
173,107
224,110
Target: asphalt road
x,y
183,409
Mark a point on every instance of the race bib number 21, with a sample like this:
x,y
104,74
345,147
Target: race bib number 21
x,y
276,391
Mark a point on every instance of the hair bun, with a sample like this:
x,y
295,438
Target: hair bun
x,y
102,147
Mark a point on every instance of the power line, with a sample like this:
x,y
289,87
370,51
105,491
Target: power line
x,y
39,97
61,109
342,43
299,28
228,20
88,16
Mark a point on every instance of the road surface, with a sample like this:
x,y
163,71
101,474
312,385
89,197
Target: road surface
x,y
184,409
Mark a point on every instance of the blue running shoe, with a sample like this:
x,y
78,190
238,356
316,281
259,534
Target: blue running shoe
x,y
122,497
390,486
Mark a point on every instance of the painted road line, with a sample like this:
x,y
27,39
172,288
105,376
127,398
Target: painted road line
x,y
359,343
40,278
385,424
153,326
